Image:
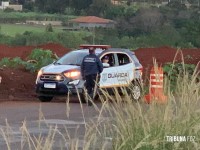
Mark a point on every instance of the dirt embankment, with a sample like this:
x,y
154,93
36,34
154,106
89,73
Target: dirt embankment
x,y
18,83
166,54
24,51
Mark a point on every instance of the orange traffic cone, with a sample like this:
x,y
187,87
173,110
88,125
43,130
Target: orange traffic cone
x,y
156,86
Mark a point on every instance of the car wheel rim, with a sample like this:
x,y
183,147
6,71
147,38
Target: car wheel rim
x,y
136,92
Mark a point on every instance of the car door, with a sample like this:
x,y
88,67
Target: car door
x,y
105,80
125,69
118,74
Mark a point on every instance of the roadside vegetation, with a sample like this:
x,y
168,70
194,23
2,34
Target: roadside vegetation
x,y
67,39
124,124
140,126
36,60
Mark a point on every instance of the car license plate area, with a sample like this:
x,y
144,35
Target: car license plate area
x,y
50,85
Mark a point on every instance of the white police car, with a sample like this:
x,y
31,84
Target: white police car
x,y
64,75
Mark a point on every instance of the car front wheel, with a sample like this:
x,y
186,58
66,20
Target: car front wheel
x,y
45,98
83,97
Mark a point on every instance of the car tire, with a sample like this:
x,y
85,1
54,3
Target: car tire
x,y
45,98
135,90
83,97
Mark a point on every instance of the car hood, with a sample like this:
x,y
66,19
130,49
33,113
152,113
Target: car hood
x,y
58,68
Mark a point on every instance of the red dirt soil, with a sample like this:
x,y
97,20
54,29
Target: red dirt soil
x,y
166,54
24,51
20,84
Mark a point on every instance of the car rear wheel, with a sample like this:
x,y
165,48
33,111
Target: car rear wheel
x,y
45,98
135,91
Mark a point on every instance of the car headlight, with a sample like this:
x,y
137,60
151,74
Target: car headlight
x,y
59,77
72,74
40,72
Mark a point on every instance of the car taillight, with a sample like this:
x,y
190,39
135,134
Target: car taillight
x,y
72,74
140,70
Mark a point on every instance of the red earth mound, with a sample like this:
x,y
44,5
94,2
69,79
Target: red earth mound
x,y
166,54
24,51
16,83
21,84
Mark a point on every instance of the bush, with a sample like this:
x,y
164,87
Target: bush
x,y
39,58
70,39
49,28
4,39
9,10
174,71
36,60
40,38
18,40
13,63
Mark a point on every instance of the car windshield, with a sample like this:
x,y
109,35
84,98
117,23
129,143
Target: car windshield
x,y
72,58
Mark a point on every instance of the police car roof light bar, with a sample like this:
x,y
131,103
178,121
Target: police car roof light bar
x,y
86,46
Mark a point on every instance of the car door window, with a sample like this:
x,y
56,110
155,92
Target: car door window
x,y
111,58
123,59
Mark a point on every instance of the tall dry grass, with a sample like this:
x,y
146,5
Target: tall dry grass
x,y
136,125
124,124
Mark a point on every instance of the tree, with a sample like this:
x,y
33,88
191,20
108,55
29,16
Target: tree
x,y
41,5
143,21
13,1
99,7
147,20
56,6
115,12
192,32
29,5
22,2
194,2
80,5
52,6
176,4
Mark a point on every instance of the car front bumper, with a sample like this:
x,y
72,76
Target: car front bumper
x,y
60,89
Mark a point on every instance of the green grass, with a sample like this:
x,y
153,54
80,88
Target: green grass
x,y
13,29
